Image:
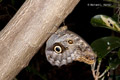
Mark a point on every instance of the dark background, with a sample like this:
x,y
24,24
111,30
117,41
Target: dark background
x,y
79,22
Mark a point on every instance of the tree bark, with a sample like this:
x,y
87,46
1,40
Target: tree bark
x,y
22,37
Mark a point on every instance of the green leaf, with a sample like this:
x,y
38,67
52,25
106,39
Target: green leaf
x,y
119,53
13,2
115,16
114,63
105,45
1,0
105,22
113,1
97,21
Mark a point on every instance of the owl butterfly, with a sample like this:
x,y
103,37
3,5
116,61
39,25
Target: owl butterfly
x,y
64,46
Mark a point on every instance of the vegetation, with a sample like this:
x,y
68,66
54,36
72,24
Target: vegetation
x,y
106,48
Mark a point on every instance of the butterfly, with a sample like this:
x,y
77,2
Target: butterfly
x,y
64,47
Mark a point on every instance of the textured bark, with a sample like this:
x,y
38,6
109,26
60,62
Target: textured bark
x,y
27,31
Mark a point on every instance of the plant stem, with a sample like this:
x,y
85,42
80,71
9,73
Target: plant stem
x,y
104,73
93,69
96,72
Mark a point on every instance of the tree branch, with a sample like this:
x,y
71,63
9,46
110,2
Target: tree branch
x,y
27,31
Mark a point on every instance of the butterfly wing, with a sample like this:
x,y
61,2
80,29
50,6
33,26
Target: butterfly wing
x,y
64,46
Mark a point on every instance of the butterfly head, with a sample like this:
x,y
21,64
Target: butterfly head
x,y
87,55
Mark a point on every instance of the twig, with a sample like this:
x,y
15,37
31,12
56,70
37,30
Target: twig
x,y
103,73
97,71
93,69
98,68
103,78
